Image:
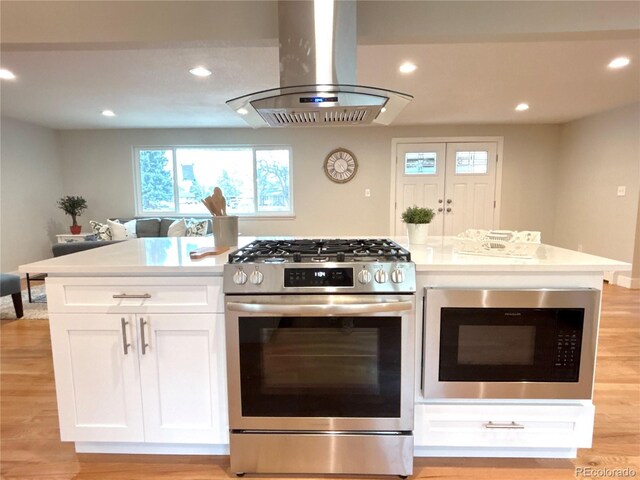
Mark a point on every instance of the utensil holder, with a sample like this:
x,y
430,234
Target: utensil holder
x,y
225,230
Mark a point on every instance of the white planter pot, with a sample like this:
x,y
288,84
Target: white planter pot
x,y
418,233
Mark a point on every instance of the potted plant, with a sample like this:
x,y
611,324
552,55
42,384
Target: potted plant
x,y
417,220
72,205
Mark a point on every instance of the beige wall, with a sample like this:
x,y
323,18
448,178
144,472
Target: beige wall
x,y
599,153
30,185
99,164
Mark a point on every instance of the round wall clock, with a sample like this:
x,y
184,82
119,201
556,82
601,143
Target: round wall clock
x,y
340,165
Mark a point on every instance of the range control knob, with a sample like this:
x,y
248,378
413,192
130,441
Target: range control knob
x,y
364,277
381,276
239,278
397,276
256,277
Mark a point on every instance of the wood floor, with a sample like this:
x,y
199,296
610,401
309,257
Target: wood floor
x,y
30,447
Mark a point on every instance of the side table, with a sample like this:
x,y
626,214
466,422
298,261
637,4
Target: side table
x,y
67,237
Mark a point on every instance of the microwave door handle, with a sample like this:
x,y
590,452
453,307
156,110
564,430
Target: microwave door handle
x,y
320,310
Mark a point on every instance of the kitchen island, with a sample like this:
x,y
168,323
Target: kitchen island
x,y
137,333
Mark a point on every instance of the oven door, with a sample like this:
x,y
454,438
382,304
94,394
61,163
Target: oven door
x,y
320,362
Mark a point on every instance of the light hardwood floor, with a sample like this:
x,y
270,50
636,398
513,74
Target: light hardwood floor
x,y
30,446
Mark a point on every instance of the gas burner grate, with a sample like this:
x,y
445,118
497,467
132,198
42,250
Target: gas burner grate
x,y
331,250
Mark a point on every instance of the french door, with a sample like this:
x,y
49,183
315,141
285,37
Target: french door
x,y
456,179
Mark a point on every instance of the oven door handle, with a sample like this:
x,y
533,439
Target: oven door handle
x,y
320,310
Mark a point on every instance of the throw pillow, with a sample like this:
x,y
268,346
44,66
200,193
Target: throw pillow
x,y
177,229
196,228
120,231
102,230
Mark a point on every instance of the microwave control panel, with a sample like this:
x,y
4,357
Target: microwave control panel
x,y
567,353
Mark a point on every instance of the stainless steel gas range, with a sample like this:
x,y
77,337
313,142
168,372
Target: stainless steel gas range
x,y
320,357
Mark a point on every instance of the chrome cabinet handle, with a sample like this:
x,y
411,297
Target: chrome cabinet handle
x,y
320,309
126,295
510,426
143,342
125,344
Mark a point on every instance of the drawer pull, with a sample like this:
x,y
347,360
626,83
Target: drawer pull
x,y
143,342
125,344
511,425
126,295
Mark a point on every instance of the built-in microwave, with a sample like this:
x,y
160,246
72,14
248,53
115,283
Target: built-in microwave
x,y
510,344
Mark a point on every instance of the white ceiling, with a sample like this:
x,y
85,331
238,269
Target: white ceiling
x,y
476,60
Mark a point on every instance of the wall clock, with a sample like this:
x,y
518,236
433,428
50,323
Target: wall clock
x,y
340,165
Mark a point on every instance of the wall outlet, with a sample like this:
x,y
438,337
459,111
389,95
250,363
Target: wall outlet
x,y
622,191
367,192
579,247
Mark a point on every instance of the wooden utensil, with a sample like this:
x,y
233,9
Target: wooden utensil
x,y
206,252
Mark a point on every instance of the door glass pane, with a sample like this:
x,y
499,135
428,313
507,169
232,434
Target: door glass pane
x,y
472,162
496,344
320,366
420,163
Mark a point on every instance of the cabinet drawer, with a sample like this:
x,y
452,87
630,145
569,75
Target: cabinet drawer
x,y
135,294
543,426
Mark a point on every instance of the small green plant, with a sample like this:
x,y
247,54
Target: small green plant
x,y
417,215
72,205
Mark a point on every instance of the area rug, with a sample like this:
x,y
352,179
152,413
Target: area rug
x,y
32,311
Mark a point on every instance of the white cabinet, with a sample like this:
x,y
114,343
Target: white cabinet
x,y
184,397
504,425
97,385
133,375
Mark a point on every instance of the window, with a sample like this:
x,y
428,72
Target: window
x,y
254,180
420,163
472,162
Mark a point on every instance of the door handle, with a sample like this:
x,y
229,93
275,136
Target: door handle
x,y
126,295
510,426
125,344
326,310
143,342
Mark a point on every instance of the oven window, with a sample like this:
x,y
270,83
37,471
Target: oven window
x,y
320,366
496,344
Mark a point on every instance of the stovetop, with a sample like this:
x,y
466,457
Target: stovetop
x,y
320,251
320,266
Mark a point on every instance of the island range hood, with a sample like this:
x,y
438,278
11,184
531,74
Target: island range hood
x,y
318,73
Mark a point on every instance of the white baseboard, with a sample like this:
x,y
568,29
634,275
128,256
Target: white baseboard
x,y
151,448
488,452
627,281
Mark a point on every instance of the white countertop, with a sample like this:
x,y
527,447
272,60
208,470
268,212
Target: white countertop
x,y
169,256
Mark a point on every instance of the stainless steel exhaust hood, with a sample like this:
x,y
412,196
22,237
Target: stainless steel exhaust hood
x,y
318,72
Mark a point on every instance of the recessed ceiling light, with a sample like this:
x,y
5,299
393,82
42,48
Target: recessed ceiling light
x,y
242,111
383,109
200,72
619,62
407,67
521,107
108,113
7,74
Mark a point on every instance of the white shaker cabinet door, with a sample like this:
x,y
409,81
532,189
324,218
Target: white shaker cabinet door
x,y
183,375
97,377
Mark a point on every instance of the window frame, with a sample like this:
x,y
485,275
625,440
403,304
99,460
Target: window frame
x,y
137,179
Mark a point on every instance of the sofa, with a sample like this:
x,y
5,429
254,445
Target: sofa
x,y
145,228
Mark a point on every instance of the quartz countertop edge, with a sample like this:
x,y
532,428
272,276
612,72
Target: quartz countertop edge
x,y
170,256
